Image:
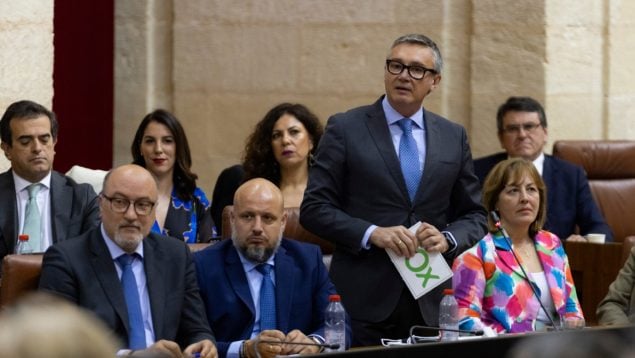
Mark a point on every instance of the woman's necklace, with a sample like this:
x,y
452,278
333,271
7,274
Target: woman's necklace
x,y
524,250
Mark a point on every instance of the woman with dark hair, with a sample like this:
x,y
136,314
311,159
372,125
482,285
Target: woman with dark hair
x,y
182,211
517,279
280,149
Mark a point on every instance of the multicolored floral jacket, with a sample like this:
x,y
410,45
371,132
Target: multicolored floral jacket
x,y
491,289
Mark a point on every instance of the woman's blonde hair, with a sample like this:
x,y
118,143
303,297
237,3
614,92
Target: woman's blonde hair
x,y
44,326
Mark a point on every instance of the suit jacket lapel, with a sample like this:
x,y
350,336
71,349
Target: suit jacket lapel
x,y
378,129
285,281
549,171
504,252
104,268
154,261
8,211
434,144
238,280
61,197
551,265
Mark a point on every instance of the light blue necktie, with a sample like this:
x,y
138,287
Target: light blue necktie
x,y
136,333
32,219
409,157
267,299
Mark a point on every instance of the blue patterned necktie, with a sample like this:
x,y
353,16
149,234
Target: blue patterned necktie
x,y
32,218
136,333
409,157
267,299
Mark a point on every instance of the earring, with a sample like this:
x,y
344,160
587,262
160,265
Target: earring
x,y
311,159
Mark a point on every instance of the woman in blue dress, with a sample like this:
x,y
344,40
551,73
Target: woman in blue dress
x,y
182,210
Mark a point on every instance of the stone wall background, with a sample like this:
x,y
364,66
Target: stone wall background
x,y
221,64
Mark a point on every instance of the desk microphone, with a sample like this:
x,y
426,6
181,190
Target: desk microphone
x,y
333,346
474,333
500,228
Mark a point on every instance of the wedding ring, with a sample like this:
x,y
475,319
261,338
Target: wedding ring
x,y
399,242
270,347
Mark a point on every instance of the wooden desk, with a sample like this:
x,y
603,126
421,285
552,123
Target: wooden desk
x,y
594,268
489,347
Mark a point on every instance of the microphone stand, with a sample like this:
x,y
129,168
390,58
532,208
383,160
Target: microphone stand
x,y
501,229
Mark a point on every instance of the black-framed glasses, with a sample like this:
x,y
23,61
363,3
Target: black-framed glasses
x,y
415,71
120,205
527,127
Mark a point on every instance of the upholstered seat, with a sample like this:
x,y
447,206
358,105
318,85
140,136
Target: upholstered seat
x,y
610,168
20,274
94,177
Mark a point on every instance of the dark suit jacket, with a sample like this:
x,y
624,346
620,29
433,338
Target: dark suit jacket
x,y
82,271
226,185
357,181
74,210
569,198
302,290
618,307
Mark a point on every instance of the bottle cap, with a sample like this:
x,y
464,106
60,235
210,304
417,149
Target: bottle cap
x,y
448,291
334,298
23,237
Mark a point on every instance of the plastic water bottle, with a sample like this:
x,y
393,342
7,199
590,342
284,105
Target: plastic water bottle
x,y
449,316
23,247
335,319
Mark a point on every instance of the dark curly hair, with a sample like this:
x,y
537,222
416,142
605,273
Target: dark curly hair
x,y
258,159
183,178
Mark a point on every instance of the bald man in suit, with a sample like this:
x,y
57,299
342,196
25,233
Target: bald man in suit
x,y
167,314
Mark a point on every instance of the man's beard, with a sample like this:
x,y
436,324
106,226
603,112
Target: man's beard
x,y
256,254
128,244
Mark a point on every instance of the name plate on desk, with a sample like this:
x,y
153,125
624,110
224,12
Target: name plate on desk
x,y
422,272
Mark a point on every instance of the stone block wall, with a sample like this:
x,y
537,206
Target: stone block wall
x,y
26,56
221,64
26,40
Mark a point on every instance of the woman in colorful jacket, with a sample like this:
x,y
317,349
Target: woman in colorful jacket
x,y
492,280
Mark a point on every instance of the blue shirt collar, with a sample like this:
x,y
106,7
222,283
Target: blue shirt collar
x,y
392,116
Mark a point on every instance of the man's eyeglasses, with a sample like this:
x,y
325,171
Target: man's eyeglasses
x,y
416,72
121,205
527,127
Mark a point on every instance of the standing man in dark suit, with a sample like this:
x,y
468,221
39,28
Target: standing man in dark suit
x,y
64,208
232,285
359,197
141,284
522,132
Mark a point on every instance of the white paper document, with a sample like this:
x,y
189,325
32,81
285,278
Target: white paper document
x,y
422,272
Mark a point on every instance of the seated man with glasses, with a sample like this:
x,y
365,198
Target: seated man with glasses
x,y
522,132
140,284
